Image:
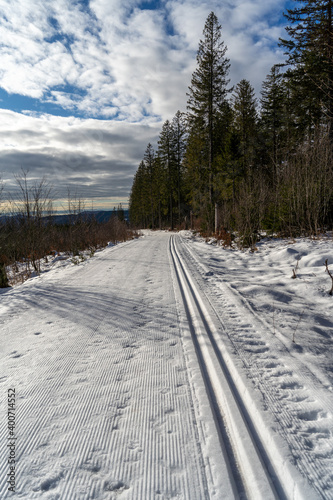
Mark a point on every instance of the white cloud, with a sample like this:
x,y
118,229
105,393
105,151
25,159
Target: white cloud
x,y
125,58
64,149
113,60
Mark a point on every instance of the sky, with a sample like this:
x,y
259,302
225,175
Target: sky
x,y
85,85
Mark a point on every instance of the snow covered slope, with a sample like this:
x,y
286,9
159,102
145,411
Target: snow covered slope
x,y
164,368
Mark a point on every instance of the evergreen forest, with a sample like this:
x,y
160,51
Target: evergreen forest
x,y
234,164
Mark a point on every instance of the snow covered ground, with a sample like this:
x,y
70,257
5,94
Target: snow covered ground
x,y
165,368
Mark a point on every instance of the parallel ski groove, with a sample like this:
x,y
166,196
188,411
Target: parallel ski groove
x,y
243,453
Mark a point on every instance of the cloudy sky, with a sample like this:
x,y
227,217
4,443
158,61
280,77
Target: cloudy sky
x,y
86,84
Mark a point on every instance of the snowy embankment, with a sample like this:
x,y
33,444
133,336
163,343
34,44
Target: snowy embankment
x,y
165,368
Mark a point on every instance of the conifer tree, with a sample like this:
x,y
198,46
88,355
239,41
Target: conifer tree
x,y
196,173
166,155
246,123
171,150
138,208
207,98
208,89
179,138
273,117
310,53
149,163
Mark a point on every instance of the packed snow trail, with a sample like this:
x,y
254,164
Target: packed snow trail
x,y
104,406
124,388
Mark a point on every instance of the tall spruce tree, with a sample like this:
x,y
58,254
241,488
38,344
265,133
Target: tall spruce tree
x,y
167,157
171,151
273,118
196,177
207,93
310,55
179,141
148,190
246,123
149,163
138,209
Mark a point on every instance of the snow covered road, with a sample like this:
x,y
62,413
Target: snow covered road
x,y
129,386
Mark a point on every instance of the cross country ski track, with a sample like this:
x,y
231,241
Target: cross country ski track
x,y
127,387
294,396
256,466
250,469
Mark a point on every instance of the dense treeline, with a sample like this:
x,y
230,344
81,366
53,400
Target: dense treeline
x,y
263,165
158,191
30,234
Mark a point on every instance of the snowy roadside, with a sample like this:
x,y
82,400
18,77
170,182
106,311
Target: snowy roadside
x,y
20,272
263,310
55,268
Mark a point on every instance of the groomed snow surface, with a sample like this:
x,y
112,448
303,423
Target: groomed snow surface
x,y
170,368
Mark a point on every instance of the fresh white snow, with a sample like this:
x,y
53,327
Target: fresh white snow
x,y
165,368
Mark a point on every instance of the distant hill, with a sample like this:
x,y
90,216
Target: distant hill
x,y
98,215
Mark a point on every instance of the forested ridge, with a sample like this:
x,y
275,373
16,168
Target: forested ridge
x,y
233,163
